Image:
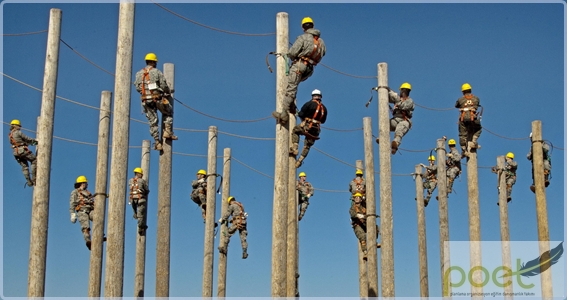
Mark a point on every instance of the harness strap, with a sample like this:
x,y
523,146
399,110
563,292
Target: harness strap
x,y
315,56
319,108
15,144
82,201
134,190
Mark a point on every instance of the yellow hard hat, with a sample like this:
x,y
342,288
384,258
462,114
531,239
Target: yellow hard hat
x,y
359,172
230,199
465,87
202,172
138,170
510,155
15,122
431,158
452,142
302,174
81,179
151,56
405,85
307,20
357,194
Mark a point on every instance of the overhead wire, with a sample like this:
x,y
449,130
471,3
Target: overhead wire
x,y
24,33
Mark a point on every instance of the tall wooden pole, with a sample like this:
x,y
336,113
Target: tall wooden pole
x,y
474,225
140,273
443,218
281,176
40,206
541,207
370,209
95,271
292,223
387,228
421,238
362,272
210,217
221,281
164,202
114,272
504,229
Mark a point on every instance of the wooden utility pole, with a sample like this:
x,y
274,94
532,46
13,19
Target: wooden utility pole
x,y
362,272
292,223
221,281
474,224
504,229
370,209
40,205
210,217
140,273
443,218
281,170
421,238
541,208
387,228
114,272
95,271
164,201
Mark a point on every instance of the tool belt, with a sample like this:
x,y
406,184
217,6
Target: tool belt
x,y
308,61
87,205
311,128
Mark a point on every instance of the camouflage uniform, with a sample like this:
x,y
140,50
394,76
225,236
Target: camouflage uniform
x,y
199,194
510,170
469,123
238,221
304,60
306,191
453,167
153,102
22,154
400,122
430,181
139,191
546,164
82,202
358,220
313,113
357,185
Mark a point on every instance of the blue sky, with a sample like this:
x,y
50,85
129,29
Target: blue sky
x,y
511,54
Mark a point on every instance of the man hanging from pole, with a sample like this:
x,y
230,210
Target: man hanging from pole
x,y
453,162
306,191
469,120
239,216
546,163
139,191
82,207
402,112
312,114
156,95
22,154
305,53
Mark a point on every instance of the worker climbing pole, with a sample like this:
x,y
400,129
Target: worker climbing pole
x,y
469,120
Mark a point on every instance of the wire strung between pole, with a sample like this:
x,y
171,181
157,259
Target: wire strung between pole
x,y
436,109
221,119
25,33
88,60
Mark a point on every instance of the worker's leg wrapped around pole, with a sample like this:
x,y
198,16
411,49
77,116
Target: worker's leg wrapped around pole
x,y
303,203
401,128
83,217
152,116
141,214
25,168
166,110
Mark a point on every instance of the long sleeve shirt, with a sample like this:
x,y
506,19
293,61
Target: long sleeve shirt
x,y
402,108
80,198
156,81
309,110
304,44
138,188
236,210
305,188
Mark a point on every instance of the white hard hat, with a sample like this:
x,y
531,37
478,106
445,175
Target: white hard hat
x,y
316,92
530,135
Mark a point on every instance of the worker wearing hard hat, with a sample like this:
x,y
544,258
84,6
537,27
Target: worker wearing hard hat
x,y
22,154
82,207
305,53
305,190
358,185
510,170
156,95
453,164
402,112
358,221
312,114
239,216
546,162
139,191
430,179
469,120
199,193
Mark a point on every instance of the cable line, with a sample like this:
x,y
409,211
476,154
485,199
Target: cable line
x,y
221,119
25,33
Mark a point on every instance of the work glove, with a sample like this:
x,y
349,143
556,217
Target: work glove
x,y
129,202
140,191
360,216
450,155
73,218
245,215
201,180
34,143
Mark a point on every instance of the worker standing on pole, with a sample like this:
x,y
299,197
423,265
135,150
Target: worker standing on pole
x,y
402,112
469,120
199,193
156,95
305,190
453,162
82,208
312,114
139,191
22,154
239,216
305,53
546,163
358,185
430,179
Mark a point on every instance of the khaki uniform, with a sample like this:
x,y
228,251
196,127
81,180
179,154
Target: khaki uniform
x,y
151,84
546,163
453,167
199,194
400,123
82,202
305,190
139,191
238,222
22,154
469,123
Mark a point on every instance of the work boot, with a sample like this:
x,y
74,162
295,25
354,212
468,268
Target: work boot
x,y
222,250
88,243
30,183
142,230
158,146
294,149
363,247
450,186
299,161
168,132
377,140
425,202
437,198
244,253
532,188
378,245
475,142
464,151
301,214
394,147
546,179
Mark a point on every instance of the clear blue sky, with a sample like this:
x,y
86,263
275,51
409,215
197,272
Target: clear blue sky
x,y
511,54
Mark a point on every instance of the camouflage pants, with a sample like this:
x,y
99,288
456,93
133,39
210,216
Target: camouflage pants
x,y
140,208
430,185
22,158
400,127
303,203
151,108
308,142
468,130
360,233
85,216
452,173
510,181
199,198
232,230
297,73
546,169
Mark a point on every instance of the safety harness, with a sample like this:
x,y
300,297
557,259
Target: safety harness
x,y
300,185
405,115
359,209
359,188
15,144
469,106
83,201
154,96
134,194
315,56
237,220
313,120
